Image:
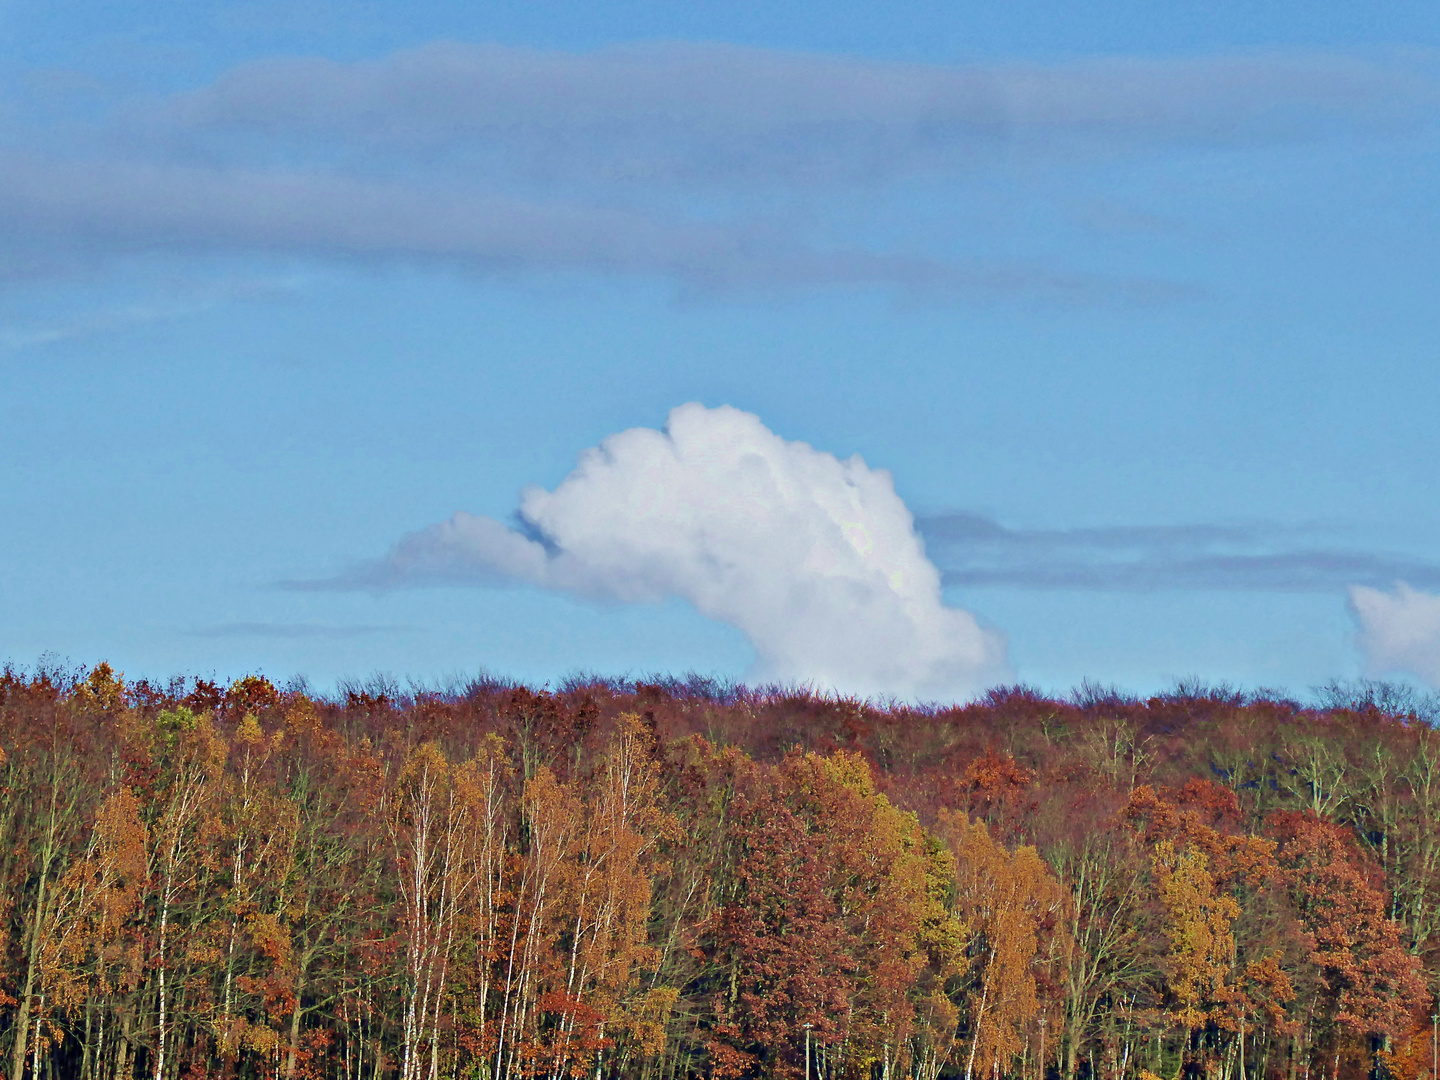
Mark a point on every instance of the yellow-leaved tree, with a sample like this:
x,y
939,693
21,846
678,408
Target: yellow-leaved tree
x,y
1014,907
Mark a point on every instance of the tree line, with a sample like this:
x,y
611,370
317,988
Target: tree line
x,y
673,880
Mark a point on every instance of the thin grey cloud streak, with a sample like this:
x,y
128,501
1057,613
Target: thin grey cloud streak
x,y
14,338
711,113
976,551
292,631
972,550
129,207
680,162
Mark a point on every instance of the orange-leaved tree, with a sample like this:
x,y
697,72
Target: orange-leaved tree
x,y
1372,985
1014,908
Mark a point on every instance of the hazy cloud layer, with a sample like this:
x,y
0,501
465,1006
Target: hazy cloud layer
x,y
125,207
683,162
292,631
1399,631
814,559
184,303
712,113
976,551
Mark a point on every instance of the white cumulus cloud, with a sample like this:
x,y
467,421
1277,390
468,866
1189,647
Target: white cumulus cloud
x,y
1399,631
816,560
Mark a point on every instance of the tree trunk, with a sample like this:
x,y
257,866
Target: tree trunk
x,y
294,1046
89,1034
122,1050
22,1022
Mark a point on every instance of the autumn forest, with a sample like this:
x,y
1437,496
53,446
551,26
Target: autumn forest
x,y
662,881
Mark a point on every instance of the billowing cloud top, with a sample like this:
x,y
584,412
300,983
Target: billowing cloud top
x,y
815,559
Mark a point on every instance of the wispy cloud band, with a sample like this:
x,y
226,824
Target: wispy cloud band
x,y
127,207
696,113
679,161
976,551
288,631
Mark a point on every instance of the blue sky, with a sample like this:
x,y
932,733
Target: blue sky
x,y
1136,304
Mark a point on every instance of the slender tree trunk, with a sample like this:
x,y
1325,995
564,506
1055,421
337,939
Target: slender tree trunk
x,y
22,1021
294,1044
35,1052
979,1019
122,1050
89,1034
160,972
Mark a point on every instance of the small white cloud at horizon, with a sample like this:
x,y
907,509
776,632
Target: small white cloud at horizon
x,y
1399,631
816,560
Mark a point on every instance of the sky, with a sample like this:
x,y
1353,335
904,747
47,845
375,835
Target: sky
x,y
901,350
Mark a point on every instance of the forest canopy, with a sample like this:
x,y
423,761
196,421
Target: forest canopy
x,y
659,881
